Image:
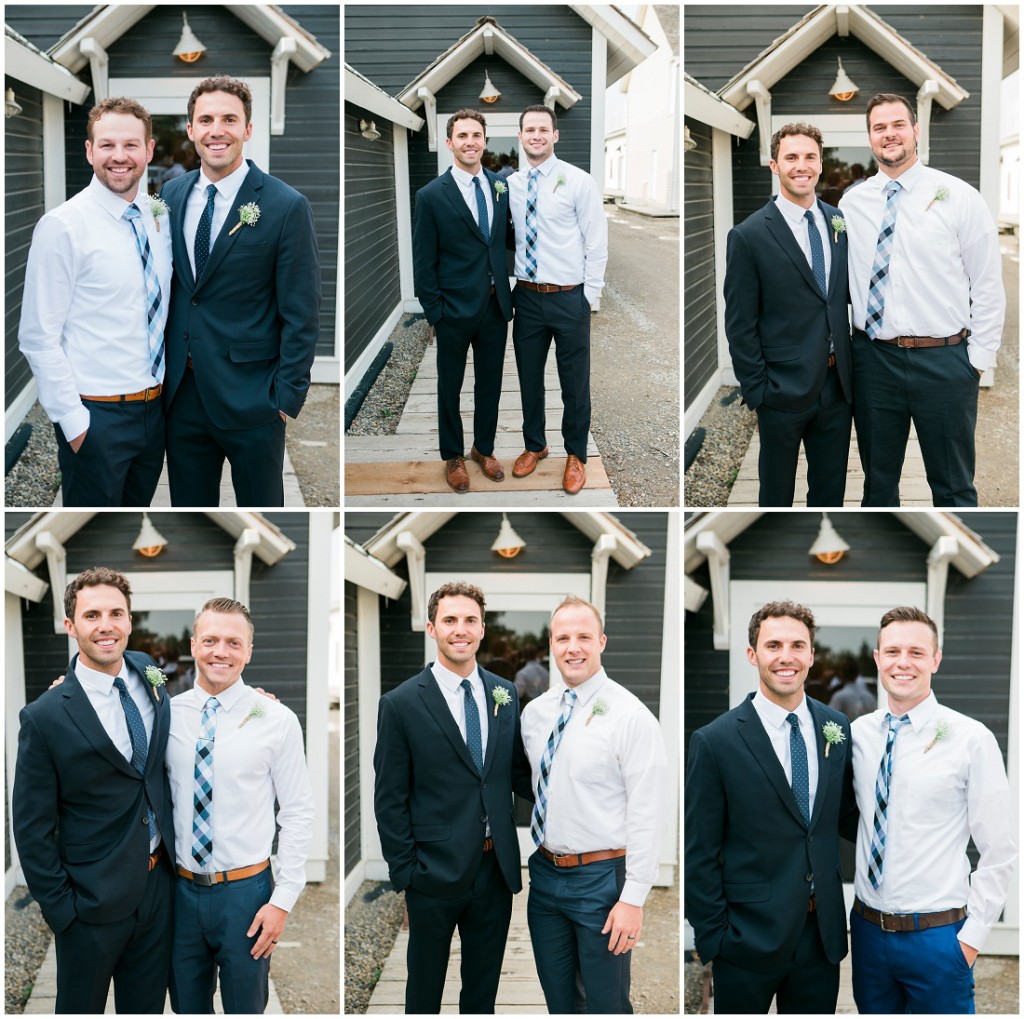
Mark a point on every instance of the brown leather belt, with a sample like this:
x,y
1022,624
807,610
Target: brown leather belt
x,y
188,362
913,342
545,288
240,874
581,859
812,904
831,360
143,394
488,845
154,858
900,923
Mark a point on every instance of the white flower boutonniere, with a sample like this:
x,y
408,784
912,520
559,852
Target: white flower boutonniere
x,y
248,215
501,698
941,732
600,708
256,711
159,208
838,227
941,193
833,734
499,190
156,679
560,182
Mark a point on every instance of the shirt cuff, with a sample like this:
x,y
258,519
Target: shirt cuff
x,y
981,358
285,897
973,933
592,294
634,893
73,424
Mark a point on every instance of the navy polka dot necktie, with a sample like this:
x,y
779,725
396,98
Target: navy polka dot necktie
x,y
473,728
203,231
137,735
798,759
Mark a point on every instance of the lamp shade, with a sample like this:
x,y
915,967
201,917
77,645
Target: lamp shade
x,y
150,541
828,546
490,94
843,88
189,48
508,544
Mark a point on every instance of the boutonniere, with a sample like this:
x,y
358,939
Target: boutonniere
x,y
600,708
833,734
941,732
501,698
941,193
838,227
560,182
159,208
156,679
248,215
256,711
499,190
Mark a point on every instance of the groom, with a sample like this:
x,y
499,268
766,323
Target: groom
x,y
244,317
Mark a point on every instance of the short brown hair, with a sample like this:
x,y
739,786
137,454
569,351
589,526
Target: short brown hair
x,y
571,601
97,576
907,614
889,97
228,606
539,108
779,610
232,86
466,115
119,104
792,129
455,589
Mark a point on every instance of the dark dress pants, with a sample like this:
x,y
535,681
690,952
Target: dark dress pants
x,y
134,952
937,389
563,316
120,461
487,337
824,428
482,915
196,450
567,908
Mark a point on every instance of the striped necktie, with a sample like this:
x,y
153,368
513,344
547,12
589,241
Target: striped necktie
x,y
883,783
531,226
154,298
541,805
202,789
880,267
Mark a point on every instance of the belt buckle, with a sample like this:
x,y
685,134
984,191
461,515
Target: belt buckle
x,y
881,923
904,346
204,880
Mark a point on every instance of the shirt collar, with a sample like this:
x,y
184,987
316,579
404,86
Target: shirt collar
x,y
793,212
588,689
465,178
227,187
451,681
907,180
776,715
113,205
545,168
227,699
101,682
919,716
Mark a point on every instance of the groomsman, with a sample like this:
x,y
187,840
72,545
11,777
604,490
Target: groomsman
x,y
561,251
598,764
928,780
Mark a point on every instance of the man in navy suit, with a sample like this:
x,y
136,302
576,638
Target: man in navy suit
x,y
786,320
244,317
458,248
767,785
92,812
448,755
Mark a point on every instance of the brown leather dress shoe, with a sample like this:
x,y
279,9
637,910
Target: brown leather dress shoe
x,y
575,476
456,475
491,468
526,463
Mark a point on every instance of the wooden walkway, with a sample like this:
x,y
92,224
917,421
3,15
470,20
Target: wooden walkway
x,y
405,469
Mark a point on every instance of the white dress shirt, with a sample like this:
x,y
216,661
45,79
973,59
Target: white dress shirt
x,y
945,272
468,190
83,313
572,230
254,763
938,800
106,702
607,784
223,206
455,697
773,717
794,217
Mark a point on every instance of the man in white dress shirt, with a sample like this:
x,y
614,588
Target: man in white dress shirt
x,y
97,287
927,779
561,252
230,755
928,307
599,766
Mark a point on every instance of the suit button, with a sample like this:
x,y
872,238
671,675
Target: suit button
x,y
195,300
145,819
483,818
810,838
483,785
808,877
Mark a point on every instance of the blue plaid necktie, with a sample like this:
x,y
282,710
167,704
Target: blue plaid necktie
x,y
203,231
880,267
540,807
202,794
798,761
481,209
531,226
154,298
882,784
817,253
473,727
137,735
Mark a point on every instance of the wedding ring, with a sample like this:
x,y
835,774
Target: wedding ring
x,y
631,937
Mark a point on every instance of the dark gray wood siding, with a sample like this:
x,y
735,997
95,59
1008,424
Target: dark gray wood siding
x,y
372,282
353,836
361,527
700,322
23,188
44,24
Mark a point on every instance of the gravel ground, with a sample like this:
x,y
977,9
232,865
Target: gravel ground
x,y
35,478
26,939
729,425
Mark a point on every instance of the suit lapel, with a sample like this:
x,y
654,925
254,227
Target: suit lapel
x,y
160,713
753,735
179,248
83,716
454,195
492,723
824,770
837,251
499,202
434,702
250,191
780,230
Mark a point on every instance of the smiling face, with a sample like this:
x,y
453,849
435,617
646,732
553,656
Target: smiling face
x,y
907,657
538,137
101,627
119,153
576,643
458,628
798,167
467,144
893,138
783,657
221,647
218,130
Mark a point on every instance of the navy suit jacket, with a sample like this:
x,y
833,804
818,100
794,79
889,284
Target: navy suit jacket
x,y
453,263
432,805
778,322
252,321
80,809
750,861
